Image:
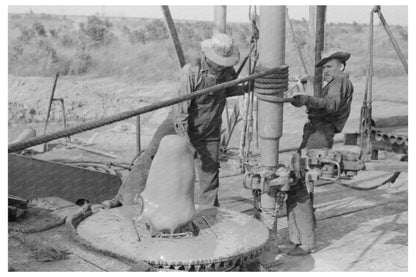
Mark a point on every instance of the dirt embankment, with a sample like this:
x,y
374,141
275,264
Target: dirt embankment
x,y
85,98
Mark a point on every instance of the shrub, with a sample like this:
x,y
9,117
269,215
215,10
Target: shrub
x,y
137,36
39,29
98,31
26,34
357,27
81,63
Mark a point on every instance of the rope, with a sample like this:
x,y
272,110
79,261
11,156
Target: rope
x,y
18,146
270,88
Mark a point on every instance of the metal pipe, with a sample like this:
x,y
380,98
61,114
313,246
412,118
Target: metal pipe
x,y
392,139
385,137
220,16
13,147
50,105
399,140
377,9
272,44
272,53
138,134
319,47
379,136
174,36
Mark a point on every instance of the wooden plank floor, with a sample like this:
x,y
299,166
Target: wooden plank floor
x,y
356,230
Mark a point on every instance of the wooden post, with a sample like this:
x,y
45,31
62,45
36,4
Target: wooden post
x,y
174,36
319,47
220,22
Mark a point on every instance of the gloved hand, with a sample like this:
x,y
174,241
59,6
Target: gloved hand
x,y
300,100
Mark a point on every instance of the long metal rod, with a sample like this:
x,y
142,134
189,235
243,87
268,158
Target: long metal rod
x,y
392,39
295,40
138,134
13,147
50,105
174,36
319,47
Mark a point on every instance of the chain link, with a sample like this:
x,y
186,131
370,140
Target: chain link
x,y
280,199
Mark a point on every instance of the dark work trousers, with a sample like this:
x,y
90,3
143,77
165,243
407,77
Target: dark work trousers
x,y
208,170
301,220
207,165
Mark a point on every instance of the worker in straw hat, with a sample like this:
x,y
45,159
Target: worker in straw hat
x,y
327,116
199,119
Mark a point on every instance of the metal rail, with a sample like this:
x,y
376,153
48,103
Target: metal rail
x,y
18,146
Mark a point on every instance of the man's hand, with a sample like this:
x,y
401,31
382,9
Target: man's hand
x,y
300,100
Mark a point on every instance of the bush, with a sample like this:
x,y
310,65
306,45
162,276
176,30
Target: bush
x,y
39,29
357,27
137,36
81,64
98,31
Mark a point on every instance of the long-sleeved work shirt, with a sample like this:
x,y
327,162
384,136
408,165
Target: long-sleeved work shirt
x,y
201,117
334,105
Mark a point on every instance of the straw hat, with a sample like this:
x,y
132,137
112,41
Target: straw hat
x,y
341,56
221,50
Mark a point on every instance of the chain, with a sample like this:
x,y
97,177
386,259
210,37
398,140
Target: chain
x,y
280,200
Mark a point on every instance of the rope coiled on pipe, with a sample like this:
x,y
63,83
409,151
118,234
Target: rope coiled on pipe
x,y
270,88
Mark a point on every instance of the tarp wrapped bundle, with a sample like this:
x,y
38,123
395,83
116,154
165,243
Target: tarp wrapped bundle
x,y
168,198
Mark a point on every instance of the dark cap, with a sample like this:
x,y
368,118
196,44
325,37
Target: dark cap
x,y
341,56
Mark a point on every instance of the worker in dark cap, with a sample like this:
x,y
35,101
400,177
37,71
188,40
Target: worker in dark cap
x,y
327,116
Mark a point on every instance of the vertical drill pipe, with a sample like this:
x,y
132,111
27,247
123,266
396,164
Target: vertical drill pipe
x,y
270,115
272,53
319,47
392,39
295,41
220,23
174,36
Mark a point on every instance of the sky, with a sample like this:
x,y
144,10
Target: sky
x,y
397,14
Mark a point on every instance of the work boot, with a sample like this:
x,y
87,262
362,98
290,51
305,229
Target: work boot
x,y
299,251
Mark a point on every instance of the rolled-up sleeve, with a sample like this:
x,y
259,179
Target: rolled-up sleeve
x,y
180,110
331,102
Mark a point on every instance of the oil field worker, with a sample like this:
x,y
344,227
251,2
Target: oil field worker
x,y
327,116
199,120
